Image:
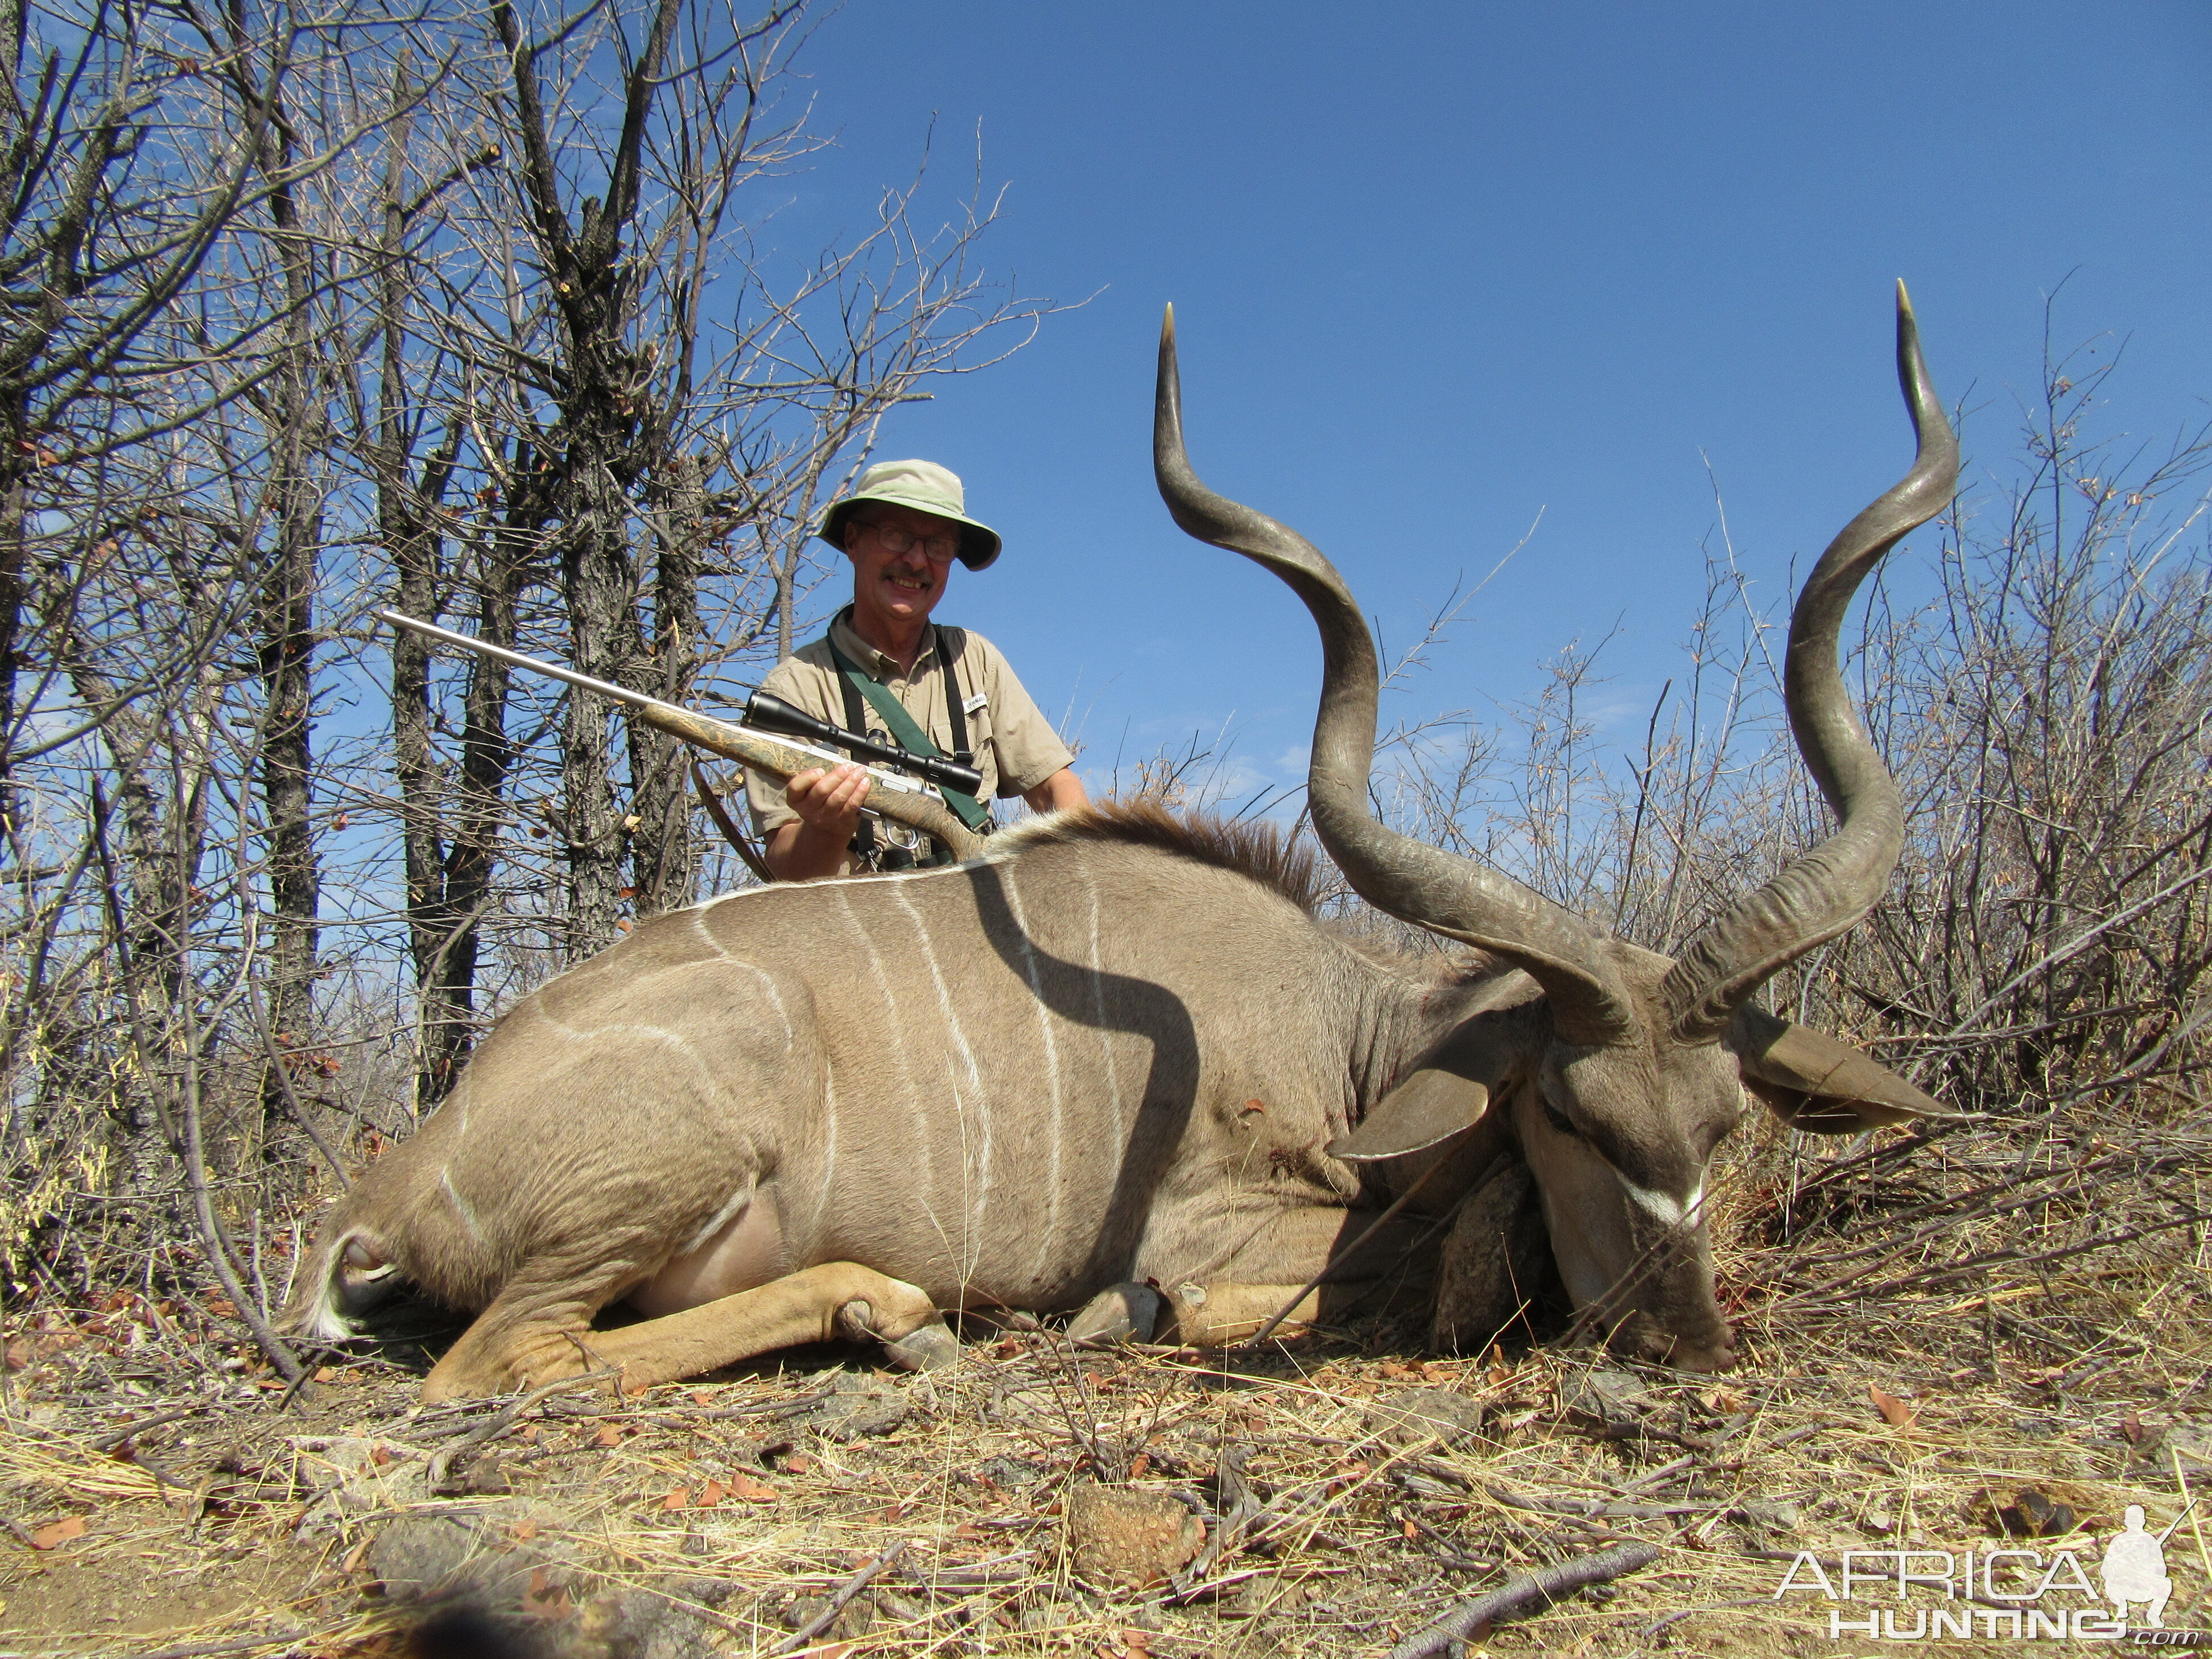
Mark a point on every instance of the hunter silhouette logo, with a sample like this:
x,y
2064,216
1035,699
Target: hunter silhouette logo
x,y
2134,1568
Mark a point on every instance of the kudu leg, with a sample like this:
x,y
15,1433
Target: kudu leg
x,y
1233,1313
1234,1301
816,1305
1212,1315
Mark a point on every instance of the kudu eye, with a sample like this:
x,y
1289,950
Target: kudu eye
x,y
1558,1119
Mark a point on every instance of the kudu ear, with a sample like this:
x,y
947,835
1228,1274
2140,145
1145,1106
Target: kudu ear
x,y
1448,1092
1813,1083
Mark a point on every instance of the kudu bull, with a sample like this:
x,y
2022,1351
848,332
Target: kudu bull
x,y
1116,1048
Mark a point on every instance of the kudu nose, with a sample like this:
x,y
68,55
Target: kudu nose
x,y
1654,1343
1691,1357
1659,1348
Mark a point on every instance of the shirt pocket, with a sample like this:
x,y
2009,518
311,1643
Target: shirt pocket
x,y
982,743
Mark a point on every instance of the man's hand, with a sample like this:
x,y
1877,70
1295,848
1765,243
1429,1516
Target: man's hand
x,y
827,803
829,800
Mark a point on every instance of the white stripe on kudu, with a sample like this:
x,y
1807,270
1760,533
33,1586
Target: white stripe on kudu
x,y
958,1049
890,1029
1048,1236
1098,1006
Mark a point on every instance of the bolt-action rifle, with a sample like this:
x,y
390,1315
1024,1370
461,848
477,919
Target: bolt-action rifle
x,y
910,801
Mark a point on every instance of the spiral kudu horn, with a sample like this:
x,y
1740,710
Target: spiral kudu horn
x,y
1823,892
1422,885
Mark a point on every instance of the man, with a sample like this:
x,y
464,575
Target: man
x,y
901,527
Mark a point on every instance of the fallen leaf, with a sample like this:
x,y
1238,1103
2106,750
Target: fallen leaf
x,y
1138,1464
522,1529
380,1456
711,1494
2131,1426
544,1598
323,1374
752,1491
678,1500
58,1532
1899,1413
356,1555
798,1463
609,1435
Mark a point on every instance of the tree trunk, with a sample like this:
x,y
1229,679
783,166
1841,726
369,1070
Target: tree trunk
x,y
13,594
603,411
293,421
662,854
448,975
596,586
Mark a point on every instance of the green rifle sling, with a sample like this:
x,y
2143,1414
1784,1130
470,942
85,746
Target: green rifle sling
x,y
910,736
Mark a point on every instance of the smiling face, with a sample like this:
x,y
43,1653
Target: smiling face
x,y
893,594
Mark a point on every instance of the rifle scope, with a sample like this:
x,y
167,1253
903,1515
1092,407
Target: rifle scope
x,y
774,714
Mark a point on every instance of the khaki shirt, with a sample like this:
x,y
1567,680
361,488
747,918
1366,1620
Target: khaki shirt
x,y
1016,747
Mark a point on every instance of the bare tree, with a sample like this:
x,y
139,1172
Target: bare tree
x,y
648,401
142,153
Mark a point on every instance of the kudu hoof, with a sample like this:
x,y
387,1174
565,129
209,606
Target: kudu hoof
x,y
1128,1312
924,1349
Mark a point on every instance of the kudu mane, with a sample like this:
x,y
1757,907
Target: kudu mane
x,y
1258,851
1287,866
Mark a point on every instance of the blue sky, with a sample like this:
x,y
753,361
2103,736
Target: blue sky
x,y
1440,269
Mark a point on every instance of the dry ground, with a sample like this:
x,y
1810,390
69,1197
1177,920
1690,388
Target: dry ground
x,y
1949,1345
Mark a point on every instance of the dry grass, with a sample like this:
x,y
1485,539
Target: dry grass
x,y
1931,1329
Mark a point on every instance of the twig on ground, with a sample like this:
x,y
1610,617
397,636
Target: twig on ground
x,y
1240,1507
1539,1588
108,1443
835,1605
441,1461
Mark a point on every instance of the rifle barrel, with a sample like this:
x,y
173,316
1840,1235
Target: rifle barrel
x,y
606,689
917,810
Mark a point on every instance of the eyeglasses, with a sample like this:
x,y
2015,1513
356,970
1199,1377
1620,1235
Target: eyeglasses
x,y
940,546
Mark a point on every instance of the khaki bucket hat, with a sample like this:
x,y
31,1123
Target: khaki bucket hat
x,y
925,486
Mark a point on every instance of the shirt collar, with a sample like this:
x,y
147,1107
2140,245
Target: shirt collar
x,y
883,667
